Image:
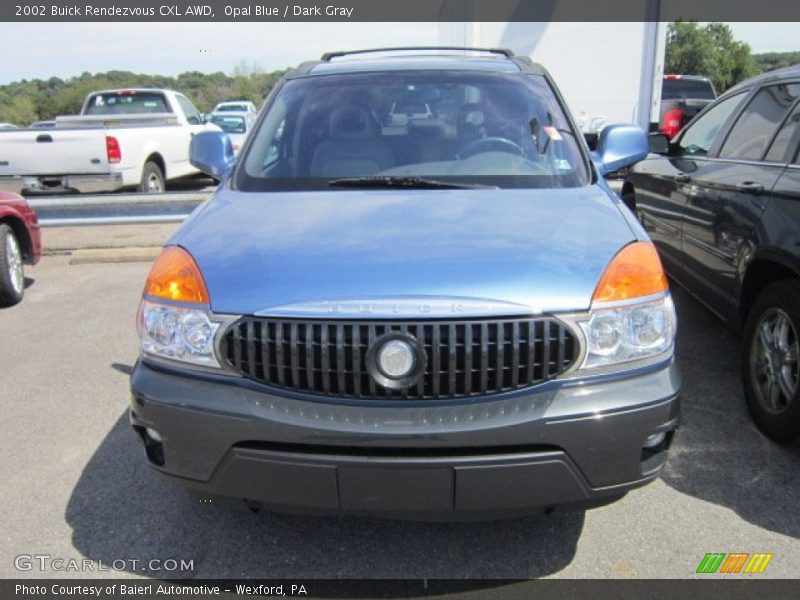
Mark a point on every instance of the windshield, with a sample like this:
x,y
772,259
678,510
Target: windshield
x,y
229,124
126,103
497,129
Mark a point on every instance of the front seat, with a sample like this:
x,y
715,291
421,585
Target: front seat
x,y
354,147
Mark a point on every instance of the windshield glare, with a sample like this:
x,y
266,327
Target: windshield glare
x,y
505,130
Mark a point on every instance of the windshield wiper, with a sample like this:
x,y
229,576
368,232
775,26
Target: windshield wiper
x,y
397,181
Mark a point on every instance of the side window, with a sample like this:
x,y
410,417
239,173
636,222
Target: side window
x,y
190,112
756,125
700,136
785,145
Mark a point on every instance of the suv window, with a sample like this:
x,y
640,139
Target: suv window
x,y
700,135
784,147
756,125
126,103
190,112
230,124
463,127
680,89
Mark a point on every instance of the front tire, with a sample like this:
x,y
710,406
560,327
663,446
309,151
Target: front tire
x,y
770,364
153,181
12,274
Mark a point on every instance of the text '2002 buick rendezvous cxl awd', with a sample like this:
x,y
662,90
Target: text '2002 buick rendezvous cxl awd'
x,y
412,295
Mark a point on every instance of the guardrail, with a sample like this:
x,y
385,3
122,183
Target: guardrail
x,y
116,209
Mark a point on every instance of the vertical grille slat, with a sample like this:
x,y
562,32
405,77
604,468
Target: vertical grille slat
x,y
355,365
514,354
468,359
236,343
310,355
484,357
461,358
325,358
250,349
370,339
279,353
451,360
340,362
419,389
500,362
436,350
294,353
546,350
265,347
531,358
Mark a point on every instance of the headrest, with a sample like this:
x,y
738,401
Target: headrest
x,y
471,116
352,123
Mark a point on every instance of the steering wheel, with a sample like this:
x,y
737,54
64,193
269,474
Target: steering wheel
x,y
487,144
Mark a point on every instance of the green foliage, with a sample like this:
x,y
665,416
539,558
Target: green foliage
x,y
23,102
769,61
710,50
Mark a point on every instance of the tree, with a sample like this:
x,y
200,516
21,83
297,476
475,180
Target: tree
x,y
23,102
710,50
770,61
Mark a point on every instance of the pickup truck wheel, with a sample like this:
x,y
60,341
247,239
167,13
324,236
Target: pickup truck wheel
x,y
12,274
152,179
770,366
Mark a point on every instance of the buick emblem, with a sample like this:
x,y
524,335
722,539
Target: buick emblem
x,y
396,359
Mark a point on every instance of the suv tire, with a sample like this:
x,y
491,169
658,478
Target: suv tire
x,y
770,364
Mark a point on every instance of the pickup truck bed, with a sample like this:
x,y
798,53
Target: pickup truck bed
x,y
103,152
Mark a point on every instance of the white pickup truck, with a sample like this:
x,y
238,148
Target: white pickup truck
x,y
127,138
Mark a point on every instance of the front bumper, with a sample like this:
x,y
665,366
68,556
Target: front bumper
x,y
572,442
85,184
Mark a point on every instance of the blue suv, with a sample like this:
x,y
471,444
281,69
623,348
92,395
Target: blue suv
x,y
411,295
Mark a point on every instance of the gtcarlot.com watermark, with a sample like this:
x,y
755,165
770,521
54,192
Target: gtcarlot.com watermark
x,y
59,564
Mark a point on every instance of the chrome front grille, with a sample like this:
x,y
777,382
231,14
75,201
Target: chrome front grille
x,y
463,358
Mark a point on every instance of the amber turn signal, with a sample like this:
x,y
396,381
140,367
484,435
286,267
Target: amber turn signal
x,y
634,272
175,276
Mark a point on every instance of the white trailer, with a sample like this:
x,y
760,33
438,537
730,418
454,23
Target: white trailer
x,y
607,72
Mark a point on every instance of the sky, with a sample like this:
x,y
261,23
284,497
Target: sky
x,y
68,49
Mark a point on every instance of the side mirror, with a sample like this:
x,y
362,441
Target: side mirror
x,y
659,143
620,146
212,153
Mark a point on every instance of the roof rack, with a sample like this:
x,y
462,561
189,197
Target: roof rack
x,y
505,52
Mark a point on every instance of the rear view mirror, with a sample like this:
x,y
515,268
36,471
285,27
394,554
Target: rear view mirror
x,y
212,153
659,143
620,146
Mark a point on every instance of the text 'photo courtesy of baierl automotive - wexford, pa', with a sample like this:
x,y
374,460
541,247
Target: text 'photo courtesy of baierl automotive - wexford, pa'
x,y
398,299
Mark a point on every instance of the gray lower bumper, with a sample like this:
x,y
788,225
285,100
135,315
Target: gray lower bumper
x,y
571,443
87,184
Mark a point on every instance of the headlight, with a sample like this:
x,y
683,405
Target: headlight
x,y
177,333
629,332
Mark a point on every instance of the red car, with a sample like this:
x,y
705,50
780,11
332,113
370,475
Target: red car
x,y
20,243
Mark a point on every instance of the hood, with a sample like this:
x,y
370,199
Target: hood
x,y
363,253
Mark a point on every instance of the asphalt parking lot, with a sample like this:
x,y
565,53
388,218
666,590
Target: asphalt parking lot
x,y
75,484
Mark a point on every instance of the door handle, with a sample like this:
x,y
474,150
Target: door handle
x,y
682,178
44,137
750,187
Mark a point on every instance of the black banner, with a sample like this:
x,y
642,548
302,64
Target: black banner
x,y
399,10
552,589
